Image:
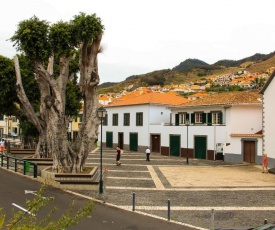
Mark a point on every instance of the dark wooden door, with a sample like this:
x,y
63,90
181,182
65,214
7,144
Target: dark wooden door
x,y
249,151
155,140
200,147
120,140
175,145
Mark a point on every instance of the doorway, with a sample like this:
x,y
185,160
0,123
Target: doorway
x,y
120,140
155,143
249,151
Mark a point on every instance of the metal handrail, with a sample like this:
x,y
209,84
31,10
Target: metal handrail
x,y
15,163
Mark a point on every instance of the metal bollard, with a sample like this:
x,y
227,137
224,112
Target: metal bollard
x,y
134,201
169,210
265,221
212,219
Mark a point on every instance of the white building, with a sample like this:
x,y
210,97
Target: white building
x,y
128,122
268,92
226,125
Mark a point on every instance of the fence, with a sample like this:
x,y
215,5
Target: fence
x,y
18,165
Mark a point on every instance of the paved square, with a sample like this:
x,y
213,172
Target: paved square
x,y
207,176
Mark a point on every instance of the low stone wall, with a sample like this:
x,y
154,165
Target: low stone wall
x,y
70,180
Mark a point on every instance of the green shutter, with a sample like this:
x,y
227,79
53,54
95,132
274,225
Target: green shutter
x,y
204,118
177,119
220,114
209,118
187,116
193,118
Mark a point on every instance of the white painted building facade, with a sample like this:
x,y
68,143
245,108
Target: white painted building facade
x,y
227,130
268,112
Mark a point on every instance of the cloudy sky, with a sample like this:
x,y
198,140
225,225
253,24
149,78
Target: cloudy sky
x,y
146,35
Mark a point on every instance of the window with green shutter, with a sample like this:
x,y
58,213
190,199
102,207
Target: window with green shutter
x,y
126,120
115,119
139,119
105,120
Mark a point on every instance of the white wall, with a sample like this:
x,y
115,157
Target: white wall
x,y
215,134
151,115
269,120
245,119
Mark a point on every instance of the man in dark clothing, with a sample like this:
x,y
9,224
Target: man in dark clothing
x,y
118,154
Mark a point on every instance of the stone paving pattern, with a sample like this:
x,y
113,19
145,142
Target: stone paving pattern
x,y
241,195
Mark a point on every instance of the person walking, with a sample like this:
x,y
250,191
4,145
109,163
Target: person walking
x,y
147,151
118,155
265,163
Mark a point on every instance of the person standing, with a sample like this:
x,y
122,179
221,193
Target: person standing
x,y
265,163
118,155
147,151
2,146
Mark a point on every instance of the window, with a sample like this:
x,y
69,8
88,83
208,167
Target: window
x,y
1,117
115,119
14,119
105,120
198,117
216,118
80,117
126,119
182,118
139,119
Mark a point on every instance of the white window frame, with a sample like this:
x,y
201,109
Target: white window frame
x,y
182,118
198,118
216,118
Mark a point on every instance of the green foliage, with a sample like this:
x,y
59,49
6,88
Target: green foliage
x,y
23,221
61,38
86,27
73,97
219,89
8,96
31,37
189,64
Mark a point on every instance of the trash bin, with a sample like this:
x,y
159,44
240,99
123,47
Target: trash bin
x,y
219,156
27,165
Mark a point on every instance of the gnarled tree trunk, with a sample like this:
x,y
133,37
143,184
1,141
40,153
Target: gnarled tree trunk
x,y
52,123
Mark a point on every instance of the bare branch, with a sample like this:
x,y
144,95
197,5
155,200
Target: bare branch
x,y
25,103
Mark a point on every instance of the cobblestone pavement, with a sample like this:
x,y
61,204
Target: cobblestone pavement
x,y
241,196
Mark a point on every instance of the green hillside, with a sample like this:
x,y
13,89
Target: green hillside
x,y
192,70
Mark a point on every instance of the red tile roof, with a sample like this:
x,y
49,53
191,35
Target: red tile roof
x,y
170,98
228,99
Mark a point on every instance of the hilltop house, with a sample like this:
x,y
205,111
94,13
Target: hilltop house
x,y
268,122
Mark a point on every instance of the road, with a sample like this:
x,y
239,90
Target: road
x,y
13,187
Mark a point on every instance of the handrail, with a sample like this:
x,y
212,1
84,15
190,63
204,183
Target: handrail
x,y
15,163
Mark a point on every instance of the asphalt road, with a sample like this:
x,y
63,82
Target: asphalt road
x,y
13,187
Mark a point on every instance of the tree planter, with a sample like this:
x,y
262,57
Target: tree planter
x,y
72,181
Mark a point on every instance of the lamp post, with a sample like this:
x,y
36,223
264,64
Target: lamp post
x,y
187,123
6,120
71,128
101,112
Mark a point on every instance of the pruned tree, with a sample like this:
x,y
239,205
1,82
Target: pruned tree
x,y
52,50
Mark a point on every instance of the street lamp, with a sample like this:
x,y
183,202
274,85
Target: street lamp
x,y
101,112
6,120
71,128
187,123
